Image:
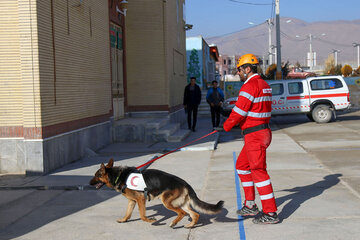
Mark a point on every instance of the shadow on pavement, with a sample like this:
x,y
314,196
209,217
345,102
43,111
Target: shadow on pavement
x,y
26,208
302,194
39,208
204,220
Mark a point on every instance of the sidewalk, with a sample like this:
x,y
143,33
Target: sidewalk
x,y
312,204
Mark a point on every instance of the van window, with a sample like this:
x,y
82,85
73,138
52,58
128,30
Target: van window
x,y
277,89
295,87
325,84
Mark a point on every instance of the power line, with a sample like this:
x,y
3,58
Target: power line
x,y
293,39
249,3
334,43
259,35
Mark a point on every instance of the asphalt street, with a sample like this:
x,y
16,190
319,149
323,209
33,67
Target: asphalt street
x,y
314,168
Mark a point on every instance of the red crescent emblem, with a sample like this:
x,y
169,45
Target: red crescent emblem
x,y
132,181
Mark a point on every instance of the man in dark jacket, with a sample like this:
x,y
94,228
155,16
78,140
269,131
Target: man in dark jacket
x,y
192,99
215,98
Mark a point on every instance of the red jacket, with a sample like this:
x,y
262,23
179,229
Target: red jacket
x,y
253,106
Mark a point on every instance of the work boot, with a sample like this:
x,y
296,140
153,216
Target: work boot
x,y
246,211
267,219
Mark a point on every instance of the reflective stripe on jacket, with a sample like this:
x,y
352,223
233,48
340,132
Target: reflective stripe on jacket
x,y
253,106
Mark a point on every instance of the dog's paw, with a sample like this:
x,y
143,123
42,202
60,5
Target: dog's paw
x,y
190,225
172,225
121,220
152,220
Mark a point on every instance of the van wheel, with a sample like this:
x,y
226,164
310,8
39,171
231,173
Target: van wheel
x,y
310,117
321,113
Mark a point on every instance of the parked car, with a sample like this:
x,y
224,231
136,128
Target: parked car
x,y
299,73
317,97
228,105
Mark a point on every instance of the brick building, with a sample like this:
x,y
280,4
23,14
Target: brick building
x,y
55,82
155,61
70,68
226,64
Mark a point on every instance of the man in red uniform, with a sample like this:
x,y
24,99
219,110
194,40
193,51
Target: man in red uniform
x,y
252,112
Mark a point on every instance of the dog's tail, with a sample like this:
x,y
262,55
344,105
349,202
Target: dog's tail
x,y
202,206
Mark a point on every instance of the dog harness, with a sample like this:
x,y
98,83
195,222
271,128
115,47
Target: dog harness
x,y
135,181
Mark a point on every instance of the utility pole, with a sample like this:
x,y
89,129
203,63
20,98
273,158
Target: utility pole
x,y
278,46
336,56
311,53
270,24
358,53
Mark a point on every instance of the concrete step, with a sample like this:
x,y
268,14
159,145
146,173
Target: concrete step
x,y
204,107
178,136
129,130
162,134
204,114
157,123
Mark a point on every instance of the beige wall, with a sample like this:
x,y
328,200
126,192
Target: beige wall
x,y
154,38
11,96
82,60
29,94
176,52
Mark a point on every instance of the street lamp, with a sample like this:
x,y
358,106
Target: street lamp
x,y
123,7
357,45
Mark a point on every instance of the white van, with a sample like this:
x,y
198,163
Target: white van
x,y
317,97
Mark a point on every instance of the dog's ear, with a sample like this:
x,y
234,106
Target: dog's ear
x,y
102,168
110,163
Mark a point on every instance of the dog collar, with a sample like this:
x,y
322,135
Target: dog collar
x,y
117,179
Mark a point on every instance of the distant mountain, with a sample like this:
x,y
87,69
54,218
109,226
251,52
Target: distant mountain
x,y
339,35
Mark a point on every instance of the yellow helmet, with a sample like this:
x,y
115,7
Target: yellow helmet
x,y
247,59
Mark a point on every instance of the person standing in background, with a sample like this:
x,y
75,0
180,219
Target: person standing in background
x,y
192,99
215,98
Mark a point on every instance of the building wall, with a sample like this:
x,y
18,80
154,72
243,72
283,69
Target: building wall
x,y
11,96
206,66
155,42
58,71
194,59
176,53
227,64
145,61
78,37
55,81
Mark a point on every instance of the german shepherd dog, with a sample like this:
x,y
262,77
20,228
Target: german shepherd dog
x,y
174,192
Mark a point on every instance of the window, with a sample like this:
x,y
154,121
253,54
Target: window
x,y
325,84
277,89
224,61
229,62
295,88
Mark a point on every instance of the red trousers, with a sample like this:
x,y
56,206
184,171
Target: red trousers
x,y
251,168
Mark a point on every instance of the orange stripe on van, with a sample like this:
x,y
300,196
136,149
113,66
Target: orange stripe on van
x,y
329,95
318,96
297,97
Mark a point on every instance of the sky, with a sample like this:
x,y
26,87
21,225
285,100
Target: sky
x,y
219,17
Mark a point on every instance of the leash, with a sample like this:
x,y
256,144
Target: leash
x,y
157,158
